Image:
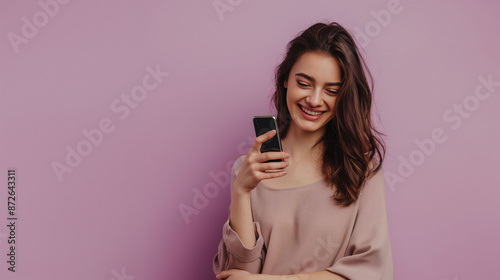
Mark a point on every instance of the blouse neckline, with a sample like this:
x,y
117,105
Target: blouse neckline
x,y
292,188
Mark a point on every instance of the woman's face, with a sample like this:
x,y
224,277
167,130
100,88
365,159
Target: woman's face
x,y
312,88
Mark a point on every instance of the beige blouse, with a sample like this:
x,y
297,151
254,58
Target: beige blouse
x,y
301,229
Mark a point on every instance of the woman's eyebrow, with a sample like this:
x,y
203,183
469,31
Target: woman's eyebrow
x,y
313,80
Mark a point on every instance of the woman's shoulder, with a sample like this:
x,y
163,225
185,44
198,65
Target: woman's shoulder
x,y
240,159
237,163
374,182
374,168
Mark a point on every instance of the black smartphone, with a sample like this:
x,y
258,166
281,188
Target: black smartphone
x,y
263,124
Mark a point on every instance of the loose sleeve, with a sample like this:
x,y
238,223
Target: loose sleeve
x,y
368,255
232,254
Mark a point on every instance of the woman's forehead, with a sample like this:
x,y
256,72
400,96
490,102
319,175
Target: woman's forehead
x,y
320,66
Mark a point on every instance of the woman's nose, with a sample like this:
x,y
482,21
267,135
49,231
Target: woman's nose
x,y
314,99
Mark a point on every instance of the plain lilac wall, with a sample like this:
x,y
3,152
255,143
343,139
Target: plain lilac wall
x,y
117,212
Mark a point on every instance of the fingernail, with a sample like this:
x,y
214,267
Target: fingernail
x,y
287,154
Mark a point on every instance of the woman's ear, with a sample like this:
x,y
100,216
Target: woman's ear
x,y
285,83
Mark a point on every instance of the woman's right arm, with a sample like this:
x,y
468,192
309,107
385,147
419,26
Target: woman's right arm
x,y
239,247
240,218
251,172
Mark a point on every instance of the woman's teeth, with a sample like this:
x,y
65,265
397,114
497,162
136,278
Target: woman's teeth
x,y
310,112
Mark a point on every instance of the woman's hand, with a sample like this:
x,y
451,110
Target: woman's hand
x,y
254,167
234,274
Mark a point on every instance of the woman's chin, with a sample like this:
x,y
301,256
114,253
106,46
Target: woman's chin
x,y
307,127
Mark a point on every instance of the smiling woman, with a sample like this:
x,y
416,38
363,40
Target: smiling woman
x,y
324,216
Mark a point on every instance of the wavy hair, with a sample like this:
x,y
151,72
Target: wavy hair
x,y
351,143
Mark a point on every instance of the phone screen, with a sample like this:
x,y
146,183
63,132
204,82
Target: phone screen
x,y
264,124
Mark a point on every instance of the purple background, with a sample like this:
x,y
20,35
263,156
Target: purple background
x,y
117,213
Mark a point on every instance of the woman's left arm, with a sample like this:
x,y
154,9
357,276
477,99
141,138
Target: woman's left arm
x,y
236,274
319,275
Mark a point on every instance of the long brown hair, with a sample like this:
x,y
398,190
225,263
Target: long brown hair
x,y
351,143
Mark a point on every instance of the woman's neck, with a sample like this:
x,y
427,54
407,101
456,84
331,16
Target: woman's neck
x,y
299,144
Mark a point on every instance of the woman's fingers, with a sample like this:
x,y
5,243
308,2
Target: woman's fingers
x,y
263,157
273,174
261,139
258,166
272,165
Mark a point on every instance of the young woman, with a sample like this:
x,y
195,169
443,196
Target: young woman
x,y
323,216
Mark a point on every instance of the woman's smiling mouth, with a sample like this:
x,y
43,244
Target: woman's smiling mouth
x,y
309,112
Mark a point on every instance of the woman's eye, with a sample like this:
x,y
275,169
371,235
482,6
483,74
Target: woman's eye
x,y
302,84
332,92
